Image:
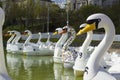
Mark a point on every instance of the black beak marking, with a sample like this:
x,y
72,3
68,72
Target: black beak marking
x,y
96,21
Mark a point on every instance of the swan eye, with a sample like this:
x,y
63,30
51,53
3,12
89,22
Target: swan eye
x,y
90,21
12,32
65,29
96,21
26,32
93,21
81,27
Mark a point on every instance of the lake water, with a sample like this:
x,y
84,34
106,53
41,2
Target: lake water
x,y
37,68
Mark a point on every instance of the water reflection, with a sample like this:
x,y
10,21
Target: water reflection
x,y
58,68
29,67
14,64
68,74
60,73
37,68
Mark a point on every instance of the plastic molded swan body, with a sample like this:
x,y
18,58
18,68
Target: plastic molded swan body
x,y
93,71
9,42
16,47
82,58
3,71
58,47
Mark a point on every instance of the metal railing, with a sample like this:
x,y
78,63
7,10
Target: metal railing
x,y
95,36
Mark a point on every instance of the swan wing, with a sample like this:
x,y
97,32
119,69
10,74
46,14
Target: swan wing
x,y
102,75
115,68
116,75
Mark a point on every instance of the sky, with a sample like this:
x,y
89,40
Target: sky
x,y
61,3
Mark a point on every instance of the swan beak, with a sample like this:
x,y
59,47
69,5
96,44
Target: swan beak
x,y
79,33
7,35
24,33
63,31
88,27
55,33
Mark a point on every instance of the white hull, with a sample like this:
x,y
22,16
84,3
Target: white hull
x,y
57,59
40,53
68,64
16,52
8,50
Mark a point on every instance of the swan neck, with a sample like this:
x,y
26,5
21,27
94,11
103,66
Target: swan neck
x,y
104,45
18,37
28,39
62,40
10,39
3,69
40,37
13,41
87,41
48,39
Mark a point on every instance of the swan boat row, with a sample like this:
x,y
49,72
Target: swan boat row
x,y
79,58
29,48
92,70
70,55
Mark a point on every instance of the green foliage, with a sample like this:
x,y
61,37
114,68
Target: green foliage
x,y
85,11
78,17
33,16
0,4
14,27
57,17
114,13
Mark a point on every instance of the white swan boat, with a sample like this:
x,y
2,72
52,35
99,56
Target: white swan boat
x,y
58,47
33,48
16,47
28,47
3,71
63,53
82,58
93,71
69,54
49,46
9,41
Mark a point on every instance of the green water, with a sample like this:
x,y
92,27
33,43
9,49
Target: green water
x,y
37,68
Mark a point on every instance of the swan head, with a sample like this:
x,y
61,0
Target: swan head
x,y
48,33
27,32
65,29
96,21
57,31
9,33
13,33
39,33
81,26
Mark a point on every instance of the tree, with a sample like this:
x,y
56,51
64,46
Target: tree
x,y
0,4
114,13
57,17
78,17
86,1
